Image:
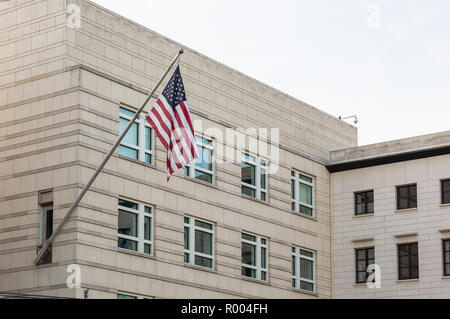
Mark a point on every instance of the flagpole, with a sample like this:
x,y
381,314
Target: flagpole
x,y
49,241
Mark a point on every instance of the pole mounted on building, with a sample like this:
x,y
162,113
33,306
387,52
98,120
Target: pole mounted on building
x,y
49,241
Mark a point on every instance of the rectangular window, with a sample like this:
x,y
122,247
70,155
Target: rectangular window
x,y
445,190
406,196
364,202
303,271
254,257
446,256
138,142
364,257
45,200
198,242
135,227
202,168
254,176
408,261
302,193
128,296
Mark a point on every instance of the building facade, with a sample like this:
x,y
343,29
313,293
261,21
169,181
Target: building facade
x,y
71,75
391,207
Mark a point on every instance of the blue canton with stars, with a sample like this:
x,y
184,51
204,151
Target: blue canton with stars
x,y
174,91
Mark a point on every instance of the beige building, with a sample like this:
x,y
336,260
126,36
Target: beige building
x,y
68,85
391,207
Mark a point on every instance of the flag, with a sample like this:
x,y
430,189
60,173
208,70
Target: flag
x,y
172,123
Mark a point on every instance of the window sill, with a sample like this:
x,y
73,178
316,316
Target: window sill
x,y
266,202
196,180
407,280
135,253
446,277
314,218
306,292
360,285
406,210
137,161
364,215
200,268
257,281
445,205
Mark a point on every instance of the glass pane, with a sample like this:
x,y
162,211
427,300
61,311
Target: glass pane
x,y
248,237
147,209
306,253
404,273
202,261
292,173
263,275
122,296
412,190
359,198
148,158
127,244
186,220
248,173
447,269
147,248
203,141
263,241
371,253
126,112
203,242
186,237
263,196
361,265
360,209
306,210
306,286
125,203
293,283
292,189
127,223
305,178
402,203
370,208
128,152
186,257
446,198
403,191
203,224
305,193
205,159
248,272
412,202
203,176
413,249
263,258
369,198
49,224
148,138
263,178
293,265
404,261
186,170
248,191
361,254
293,206
147,228
361,277
132,135
403,250
447,245
306,268
248,254
414,272
247,157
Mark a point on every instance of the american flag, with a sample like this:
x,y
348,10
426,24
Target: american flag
x,y
171,121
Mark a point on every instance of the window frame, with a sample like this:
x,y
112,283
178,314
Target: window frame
x,y
258,167
447,180
192,167
140,239
44,216
130,295
296,200
409,261
191,239
297,255
444,252
142,123
258,247
398,187
366,259
365,203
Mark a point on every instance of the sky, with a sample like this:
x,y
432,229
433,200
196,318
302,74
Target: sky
x,y
386,61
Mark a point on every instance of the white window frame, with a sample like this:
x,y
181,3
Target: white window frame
x,y
192,167
296,200
257,162
43,226
191,251
297,255
140,148
258,269
141,214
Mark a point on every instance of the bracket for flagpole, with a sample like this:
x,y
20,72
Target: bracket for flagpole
x,y
49,241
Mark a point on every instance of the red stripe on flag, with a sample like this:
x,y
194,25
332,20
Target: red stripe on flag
x,y
153,125
187,139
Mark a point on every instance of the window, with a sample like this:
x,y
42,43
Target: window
x,y
303,272
254,176
446,256
45,200
364,203
254,257
202,168
135,229
445,189
198,242
406,196
302,193
138,142
408,261
364,257
128,296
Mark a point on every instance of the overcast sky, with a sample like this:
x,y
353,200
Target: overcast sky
x,y
386,61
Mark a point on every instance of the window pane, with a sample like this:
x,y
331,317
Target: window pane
x,y
263,196
203,242
128,152
132,135
446,198
361,254
248,173
203,176
413,249
263,178
306,286
404,273
414,272
49,223
248,191
403,191
126,112
147,228
148,138
293,283
127,223
248,237
263,258
361,265
402,203
371,253
125,203
292,189
370,208
360,209
186,237
293,265
361,277
147,248
305,193
127,244
306,253
306,269
122,296
248,272
186,170
306,210
205,159
186,257
412,190
447,245
248,254
263,275
263,241
305,178
148,158
203,224
202,261
403,250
